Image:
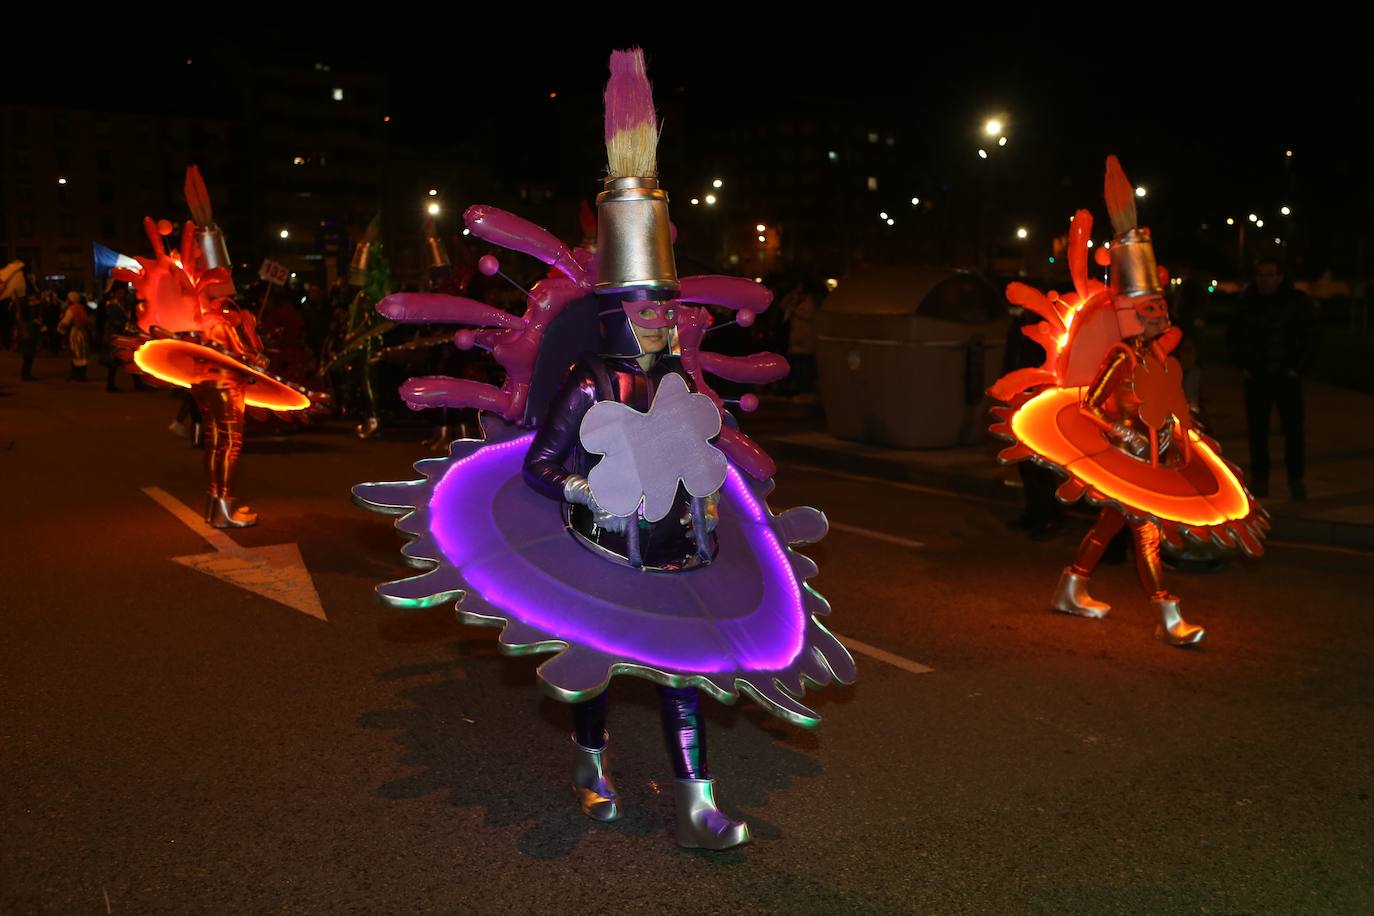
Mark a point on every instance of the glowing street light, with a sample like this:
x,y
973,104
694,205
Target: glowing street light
x,y
696,201
982,154
993,127
1259,224
1021,232
1090,243
1001,141
1285,211
1253,218
915,201
1140,191
433,192
891,222
1230,221
760,227
882,215
710,200
433,209
717,184
285,233
763,238
61,181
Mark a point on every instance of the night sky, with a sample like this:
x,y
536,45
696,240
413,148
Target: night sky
x,y
1203,119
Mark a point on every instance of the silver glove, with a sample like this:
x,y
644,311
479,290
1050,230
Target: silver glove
x,y
577,490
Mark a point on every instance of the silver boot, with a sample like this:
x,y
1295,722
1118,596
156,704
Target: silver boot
x,y
222,513
1071,597
592,785
1172,628
700,824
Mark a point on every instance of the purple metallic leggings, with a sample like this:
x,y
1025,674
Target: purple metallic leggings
x,y
684,728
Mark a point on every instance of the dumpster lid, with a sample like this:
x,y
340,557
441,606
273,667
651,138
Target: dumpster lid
x,y
926,292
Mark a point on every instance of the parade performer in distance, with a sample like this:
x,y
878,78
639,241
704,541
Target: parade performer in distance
x,y
370,275
192,334
614,515
1107,410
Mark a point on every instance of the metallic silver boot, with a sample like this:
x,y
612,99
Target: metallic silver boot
x,y
1172,628
222,513
700,824
592,785
1071,597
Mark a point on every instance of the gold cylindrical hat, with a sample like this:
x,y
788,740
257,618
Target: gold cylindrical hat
x,y
357,266
634,240
1134,272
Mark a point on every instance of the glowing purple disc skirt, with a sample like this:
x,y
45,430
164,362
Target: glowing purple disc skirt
x,y
744,623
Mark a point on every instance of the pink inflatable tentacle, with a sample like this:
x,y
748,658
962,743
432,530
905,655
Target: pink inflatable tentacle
x,y
728,292
440,308
746,453
503,228
758,369
443,391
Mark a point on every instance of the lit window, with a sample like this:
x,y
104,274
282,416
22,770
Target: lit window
x,y
338,95
872,183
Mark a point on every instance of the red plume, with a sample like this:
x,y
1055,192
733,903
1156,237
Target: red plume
x,y
1079,232
1120,197
198,198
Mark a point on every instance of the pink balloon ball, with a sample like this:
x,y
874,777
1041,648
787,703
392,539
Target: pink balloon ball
x,y
464,339
745,318
488,265
749,403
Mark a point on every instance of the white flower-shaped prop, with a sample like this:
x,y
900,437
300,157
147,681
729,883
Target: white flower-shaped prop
x,y
648,454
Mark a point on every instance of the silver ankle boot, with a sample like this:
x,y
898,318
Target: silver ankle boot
x,y
700,824
222,513
1172,628
1071,597
592,785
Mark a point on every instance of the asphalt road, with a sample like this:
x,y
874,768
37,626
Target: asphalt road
x,y
171,743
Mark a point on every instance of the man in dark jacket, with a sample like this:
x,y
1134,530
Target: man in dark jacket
x,y
1273,340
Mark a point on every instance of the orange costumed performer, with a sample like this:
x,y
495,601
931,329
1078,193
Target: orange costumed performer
x,y
1107,411
194,335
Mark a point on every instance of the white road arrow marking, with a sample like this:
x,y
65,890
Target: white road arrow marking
x,y
276,572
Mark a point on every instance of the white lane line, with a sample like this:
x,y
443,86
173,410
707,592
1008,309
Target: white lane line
x,y
876,535
883,655
215,538
1318,548
897,484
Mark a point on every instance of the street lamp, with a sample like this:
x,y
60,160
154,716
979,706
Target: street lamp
x,y
717,184
760,227
982,154
915,201
1021,232
993,127
1230,221
1285,211
1253,218
710,200
433,209
285,233
433,192
1140,191
695,201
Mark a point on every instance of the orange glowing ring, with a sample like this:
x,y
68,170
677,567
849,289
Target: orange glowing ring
x,y
183,363
1202,493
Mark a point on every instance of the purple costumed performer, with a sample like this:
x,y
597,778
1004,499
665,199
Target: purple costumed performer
x,y
614,514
